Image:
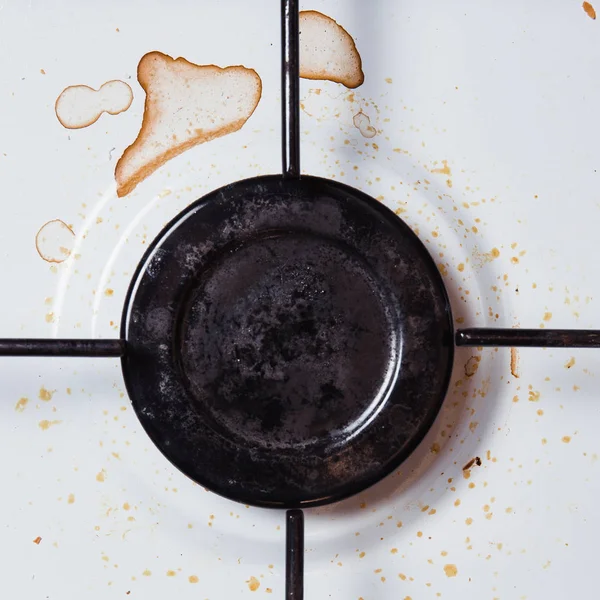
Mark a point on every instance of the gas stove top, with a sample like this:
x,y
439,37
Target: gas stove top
x,y
477,128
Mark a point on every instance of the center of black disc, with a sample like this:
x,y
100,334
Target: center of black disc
x,y
286,339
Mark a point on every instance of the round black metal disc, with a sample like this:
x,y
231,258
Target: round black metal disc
x,y
289,342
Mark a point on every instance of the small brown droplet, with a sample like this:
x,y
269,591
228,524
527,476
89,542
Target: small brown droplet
x,y
589,10
37,540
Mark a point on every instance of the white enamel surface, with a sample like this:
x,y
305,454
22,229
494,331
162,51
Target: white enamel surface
x,y
508,96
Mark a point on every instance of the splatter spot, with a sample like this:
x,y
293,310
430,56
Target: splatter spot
x,y
45,395
534,396
108,292
147,573
363,123
193,579
472,365
570,363
253,584
565,439
589,10
45,424
21,404
171,573
445,170
37,540
71,499
450,570
100,477
54,241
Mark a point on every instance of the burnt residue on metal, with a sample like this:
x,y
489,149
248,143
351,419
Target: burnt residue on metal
x,y
279,333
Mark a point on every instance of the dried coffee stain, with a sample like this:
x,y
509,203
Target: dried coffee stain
x,y
80,106
186,105
363,123
514,363
71,499
101,476
445,170
327,51
45,395
589,10
482,258
193,579
54,241
37,540
472,365
253,584
21,404
45,424
570,363
450,570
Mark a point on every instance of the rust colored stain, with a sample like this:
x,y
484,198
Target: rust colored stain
x,y
37,540
589,10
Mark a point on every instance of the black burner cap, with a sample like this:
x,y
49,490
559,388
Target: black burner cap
x,y
289,341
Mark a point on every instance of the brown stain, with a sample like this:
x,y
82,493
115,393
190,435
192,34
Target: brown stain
x,y
534,396
514,363
363,123
450,570
37,540
162,78
171,573
21,404
66,108
71,499
329,36
45,424
108,292
147,573
565,439
570,363
547,316
253,584
101,476
589,10
472,365
53,227
193,579
445,170
45,395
